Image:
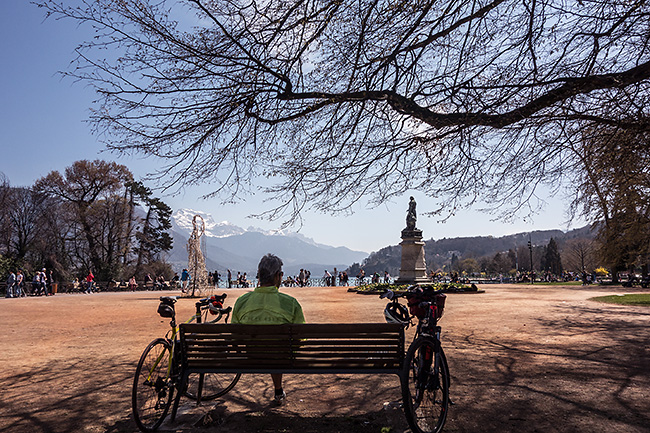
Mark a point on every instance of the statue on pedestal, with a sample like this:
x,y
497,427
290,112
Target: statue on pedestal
x,y
414,268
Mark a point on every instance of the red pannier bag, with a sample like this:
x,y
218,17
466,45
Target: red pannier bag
x,y
215,302
414,299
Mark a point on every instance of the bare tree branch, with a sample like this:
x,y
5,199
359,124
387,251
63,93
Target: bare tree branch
x,y
324,103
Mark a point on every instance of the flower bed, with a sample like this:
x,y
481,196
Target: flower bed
x,y
379,288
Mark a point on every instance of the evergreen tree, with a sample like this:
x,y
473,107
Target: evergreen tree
x,y
152,237
551,260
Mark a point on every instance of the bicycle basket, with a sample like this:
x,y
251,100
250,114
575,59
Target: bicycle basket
x,y
416,298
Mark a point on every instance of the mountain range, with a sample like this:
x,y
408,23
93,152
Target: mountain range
x,y
228,246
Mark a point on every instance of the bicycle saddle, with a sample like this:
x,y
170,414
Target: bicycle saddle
x,y
168,300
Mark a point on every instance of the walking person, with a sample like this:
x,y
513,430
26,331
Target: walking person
x,y
20,287
185,280
11,282
229,279
301,278
50,282
36,285
361,277
327,277
267,306
90,279
42,282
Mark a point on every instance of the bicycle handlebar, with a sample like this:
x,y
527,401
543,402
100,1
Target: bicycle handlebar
x,y
218,310
392,295
395,295
206,301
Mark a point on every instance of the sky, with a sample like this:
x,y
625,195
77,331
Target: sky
x,y
43,128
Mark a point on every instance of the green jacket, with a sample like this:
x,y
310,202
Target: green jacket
x,y
267,306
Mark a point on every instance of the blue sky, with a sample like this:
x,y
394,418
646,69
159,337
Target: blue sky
x,y
42,128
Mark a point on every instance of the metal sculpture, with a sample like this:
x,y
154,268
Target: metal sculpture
x,y
196,261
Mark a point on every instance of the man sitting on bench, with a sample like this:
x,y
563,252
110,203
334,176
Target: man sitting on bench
x,y
267,306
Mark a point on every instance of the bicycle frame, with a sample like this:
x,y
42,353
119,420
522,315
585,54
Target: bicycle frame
x,y
173,338
426,373
155,383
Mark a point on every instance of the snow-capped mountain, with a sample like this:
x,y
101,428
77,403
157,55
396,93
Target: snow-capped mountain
x,y
227,246
182,220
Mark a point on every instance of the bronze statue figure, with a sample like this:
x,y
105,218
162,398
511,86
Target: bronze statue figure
x,y
411,217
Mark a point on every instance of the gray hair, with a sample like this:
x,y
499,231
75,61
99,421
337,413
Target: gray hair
x,y
269,267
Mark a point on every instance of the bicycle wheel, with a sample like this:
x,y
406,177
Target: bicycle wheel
x,y
214,385
152,387
425,391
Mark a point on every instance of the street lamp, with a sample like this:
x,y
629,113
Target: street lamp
x,y
530,248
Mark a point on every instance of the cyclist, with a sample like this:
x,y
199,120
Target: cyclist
x,y
267,306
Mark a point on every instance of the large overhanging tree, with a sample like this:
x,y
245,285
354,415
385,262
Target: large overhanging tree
x,y
614,189
340,100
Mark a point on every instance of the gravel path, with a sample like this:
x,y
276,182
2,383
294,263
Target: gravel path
x,y
522,358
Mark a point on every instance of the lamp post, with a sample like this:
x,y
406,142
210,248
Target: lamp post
x,y
530,248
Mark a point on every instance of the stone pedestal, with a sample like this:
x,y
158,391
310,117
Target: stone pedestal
x,y
414,268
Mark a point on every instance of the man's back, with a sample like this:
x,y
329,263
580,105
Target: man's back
x,y
267,306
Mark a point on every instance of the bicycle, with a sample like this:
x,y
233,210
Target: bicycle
x,y
426,398
158,373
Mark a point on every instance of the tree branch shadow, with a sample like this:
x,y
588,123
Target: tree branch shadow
x,y
590,369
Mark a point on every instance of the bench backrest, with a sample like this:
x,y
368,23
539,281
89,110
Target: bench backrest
x,y
307,348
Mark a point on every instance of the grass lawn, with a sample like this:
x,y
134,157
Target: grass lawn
x,y
632,299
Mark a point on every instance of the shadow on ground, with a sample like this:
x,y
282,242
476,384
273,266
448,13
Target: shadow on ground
x,y
66,396
588,371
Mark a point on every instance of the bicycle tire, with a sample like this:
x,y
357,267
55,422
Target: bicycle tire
x,y
214,385
152,387
425,394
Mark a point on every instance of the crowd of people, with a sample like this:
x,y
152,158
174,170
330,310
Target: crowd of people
x,y
374,278
42,284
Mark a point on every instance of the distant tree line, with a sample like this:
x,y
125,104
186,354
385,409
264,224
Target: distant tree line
x,y
573,252
93,216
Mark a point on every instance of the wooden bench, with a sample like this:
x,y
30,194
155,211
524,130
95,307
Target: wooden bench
x,y
370,348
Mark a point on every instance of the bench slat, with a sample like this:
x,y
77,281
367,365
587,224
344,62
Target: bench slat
x,y
196,340
301,357
314,328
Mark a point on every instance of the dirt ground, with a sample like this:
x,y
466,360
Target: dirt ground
x,y
522,358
